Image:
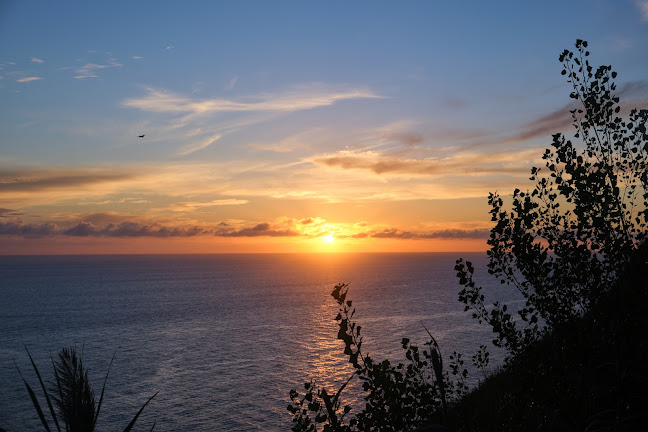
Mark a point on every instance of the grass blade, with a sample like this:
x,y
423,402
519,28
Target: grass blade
x,y
103,388
58,386
47,398
132,423
34,401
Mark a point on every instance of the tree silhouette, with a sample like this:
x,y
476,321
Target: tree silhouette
x,y
569,239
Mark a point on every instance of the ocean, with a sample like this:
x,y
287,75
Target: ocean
x,y
221,338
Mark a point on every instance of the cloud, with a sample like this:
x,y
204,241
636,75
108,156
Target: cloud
x,y
139,229
37,60
455,164
194,147
18,228
546,125
134,229
394,233
232,83
561,119
643,9
632,93
199,121
5,212
191,206
28,79
137,57
106,218
301,140
124,226
636,90
34,181
299,98
260,230
409,139
89,70
123,200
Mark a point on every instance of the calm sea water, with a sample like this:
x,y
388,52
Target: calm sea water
x,y
222,338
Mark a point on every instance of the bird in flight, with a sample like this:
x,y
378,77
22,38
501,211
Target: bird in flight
x,y
141,136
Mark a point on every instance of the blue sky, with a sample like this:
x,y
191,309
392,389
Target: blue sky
x,y
284,120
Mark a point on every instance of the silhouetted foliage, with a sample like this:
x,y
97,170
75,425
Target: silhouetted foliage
x,y
71,399
569,239
575,246
398,397
588,373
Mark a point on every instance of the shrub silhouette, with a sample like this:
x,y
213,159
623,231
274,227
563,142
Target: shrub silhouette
x,y
575,247
398,397
570,238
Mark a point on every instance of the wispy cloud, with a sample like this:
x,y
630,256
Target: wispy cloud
x,y
200,122
301,140
643,9
37,60
407,138
120,201
89,70
194,147
232,83
632,94
191,206
24,181
514,162
28,79
5,212
299,98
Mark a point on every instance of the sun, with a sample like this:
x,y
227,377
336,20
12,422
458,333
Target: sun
x,y
328,238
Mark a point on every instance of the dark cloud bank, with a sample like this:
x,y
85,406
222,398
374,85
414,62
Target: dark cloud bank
x,y
265,229
137,229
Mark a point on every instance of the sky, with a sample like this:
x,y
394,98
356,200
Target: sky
x,y
285,126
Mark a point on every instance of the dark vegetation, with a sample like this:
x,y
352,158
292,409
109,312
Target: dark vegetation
x,y
575,247
70,399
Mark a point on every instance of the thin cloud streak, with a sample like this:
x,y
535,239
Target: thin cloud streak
x,y
294,100
5,212
194,147
632,93
461,163
191,206
28,79
183,115
28,181
394,233
89,70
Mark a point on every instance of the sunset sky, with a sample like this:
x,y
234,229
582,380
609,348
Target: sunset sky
x,y
285,126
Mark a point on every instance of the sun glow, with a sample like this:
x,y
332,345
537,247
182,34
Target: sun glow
x,y
328,238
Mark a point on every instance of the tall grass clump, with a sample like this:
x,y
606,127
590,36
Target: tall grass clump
x,y
70,399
